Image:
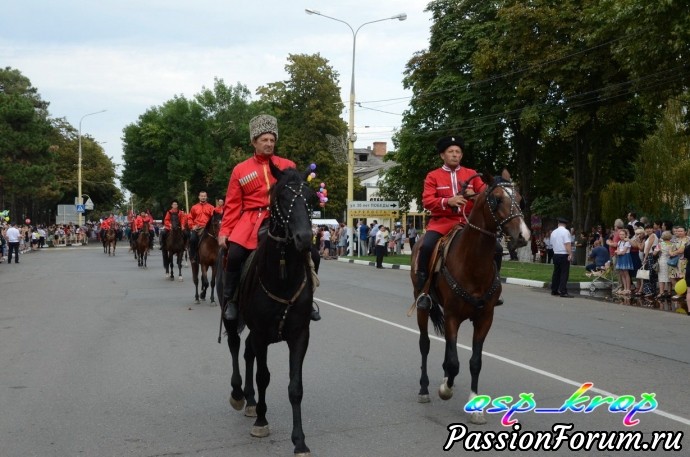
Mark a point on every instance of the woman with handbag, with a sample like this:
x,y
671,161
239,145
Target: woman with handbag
x,y
648,261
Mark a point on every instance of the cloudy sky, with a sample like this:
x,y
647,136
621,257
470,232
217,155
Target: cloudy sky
x,y
126,56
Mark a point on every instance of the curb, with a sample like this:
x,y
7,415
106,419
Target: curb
x,y
580,286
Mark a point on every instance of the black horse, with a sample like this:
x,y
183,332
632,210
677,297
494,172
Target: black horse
x,y
275,301
174,244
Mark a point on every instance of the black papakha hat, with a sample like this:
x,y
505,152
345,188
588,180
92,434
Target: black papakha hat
x,y
448,141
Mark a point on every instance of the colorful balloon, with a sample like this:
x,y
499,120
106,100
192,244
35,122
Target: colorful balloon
x,y
28,221
323,185
312,166
681,287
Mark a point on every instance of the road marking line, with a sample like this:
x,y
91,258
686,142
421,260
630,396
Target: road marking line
x,y
547,374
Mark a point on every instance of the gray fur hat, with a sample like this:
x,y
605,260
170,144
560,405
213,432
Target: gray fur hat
x,y
263,123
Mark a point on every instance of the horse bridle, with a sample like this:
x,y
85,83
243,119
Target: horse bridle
x,y
492,208
282,220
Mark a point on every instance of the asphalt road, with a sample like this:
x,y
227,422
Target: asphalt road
x,y
101,358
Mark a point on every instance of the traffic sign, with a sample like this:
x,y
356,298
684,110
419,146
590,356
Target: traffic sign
x,y
386,205
89,204
81,209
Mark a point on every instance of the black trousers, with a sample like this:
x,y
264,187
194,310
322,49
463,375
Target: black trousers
x,y
380,252
561,270
13,247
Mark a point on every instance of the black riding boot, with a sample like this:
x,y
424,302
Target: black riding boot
x,y
423,300
232,280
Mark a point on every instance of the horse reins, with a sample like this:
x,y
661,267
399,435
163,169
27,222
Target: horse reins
x,y
499,224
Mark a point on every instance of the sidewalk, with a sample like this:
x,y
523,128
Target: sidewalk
x,y
582,289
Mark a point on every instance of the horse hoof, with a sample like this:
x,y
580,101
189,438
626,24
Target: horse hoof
x,y
445,392
180,279
303,454
423,398
196,302
236,404
250,411
477,418
260,432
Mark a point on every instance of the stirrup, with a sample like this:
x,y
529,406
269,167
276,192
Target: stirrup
x,y
315,312
423,302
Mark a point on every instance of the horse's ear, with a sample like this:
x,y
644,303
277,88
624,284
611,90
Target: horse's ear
x,y
506,176
306,174
275,171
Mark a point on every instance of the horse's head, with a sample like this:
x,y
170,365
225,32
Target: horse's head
x,y
290,215
175,221
504,203
213,225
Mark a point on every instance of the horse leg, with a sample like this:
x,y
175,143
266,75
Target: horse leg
x,y
213,283
481,329
195,280
298,349
179,266
260,428
451,365
204,280
424,344
237,399
249,393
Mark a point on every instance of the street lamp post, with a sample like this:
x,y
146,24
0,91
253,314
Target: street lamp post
x,y
352,136
79,194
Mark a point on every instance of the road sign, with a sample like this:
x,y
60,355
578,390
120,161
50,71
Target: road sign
x,y
385,206
89,204
81,209
382,213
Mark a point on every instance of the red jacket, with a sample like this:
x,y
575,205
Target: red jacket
x,y
200,214
139,222
105,225
180,215
246,202
442,184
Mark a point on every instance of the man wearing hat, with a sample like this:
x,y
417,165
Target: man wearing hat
x,y
562,254
441,196
247,204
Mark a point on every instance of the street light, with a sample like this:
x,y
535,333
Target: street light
x,y
352,137
79,198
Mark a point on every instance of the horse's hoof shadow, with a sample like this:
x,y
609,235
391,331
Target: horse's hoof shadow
x,y
260,431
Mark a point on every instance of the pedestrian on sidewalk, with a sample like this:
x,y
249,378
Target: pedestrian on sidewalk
x,y
562,255
13,239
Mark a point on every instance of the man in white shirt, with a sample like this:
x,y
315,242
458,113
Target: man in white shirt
x,y
13,237
562,254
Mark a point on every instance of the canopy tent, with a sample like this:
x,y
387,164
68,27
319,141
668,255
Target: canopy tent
x,y
328,222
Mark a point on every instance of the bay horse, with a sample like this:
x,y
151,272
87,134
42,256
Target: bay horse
x,y
142,245
468,285
275,301
111,240
207,253
174,244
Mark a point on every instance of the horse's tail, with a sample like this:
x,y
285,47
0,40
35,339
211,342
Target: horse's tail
x,y
437,318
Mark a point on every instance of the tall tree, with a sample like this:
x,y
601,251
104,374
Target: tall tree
x,y
27,168
308,108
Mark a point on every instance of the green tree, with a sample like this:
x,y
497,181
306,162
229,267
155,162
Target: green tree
x,y
27,168
308,108
661,183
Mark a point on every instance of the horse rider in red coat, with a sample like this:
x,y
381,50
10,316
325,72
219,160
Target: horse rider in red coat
x,y
219,206
167,221
247,205
443,196
199,215
139,225
106,225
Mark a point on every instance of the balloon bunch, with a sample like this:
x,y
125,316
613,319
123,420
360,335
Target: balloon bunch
x,y
322,193
5,215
